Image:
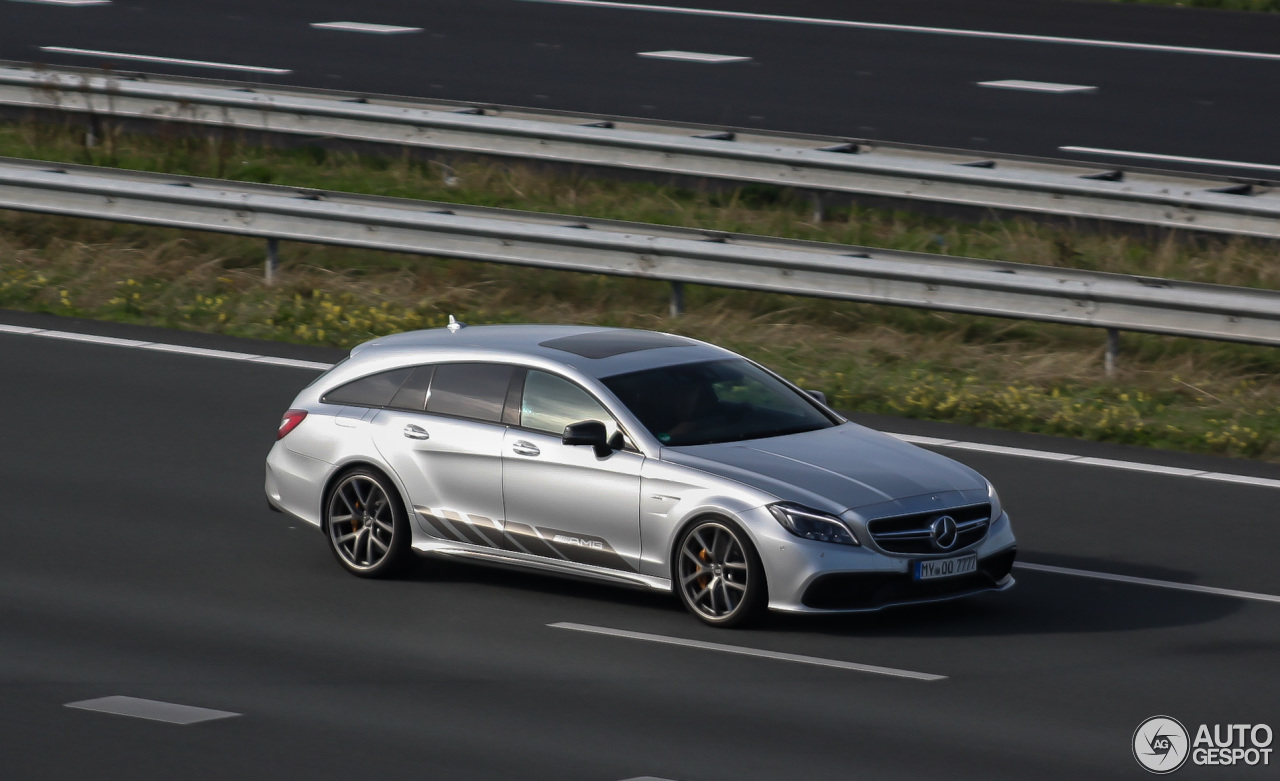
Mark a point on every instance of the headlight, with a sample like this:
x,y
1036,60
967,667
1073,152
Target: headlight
x,y
994,498
812,524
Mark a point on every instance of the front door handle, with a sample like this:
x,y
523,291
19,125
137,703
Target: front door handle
x,y
523,448
413,431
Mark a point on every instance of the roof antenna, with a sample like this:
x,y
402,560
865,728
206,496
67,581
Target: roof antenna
x,y
454,326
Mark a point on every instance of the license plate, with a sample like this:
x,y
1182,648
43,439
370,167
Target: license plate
x,y
930,569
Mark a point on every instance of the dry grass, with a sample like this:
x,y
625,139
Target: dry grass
x,y
1172,393
752,209
1169,392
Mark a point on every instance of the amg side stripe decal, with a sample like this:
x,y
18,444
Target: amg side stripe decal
x,y
527,538
523,538
487,529
585,549
463,530
437,525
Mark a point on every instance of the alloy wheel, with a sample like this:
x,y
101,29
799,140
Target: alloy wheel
x,y
714,572
361,522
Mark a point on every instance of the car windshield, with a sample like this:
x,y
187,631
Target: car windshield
x,y
714,401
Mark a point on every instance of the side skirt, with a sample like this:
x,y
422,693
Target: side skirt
x,y
556,567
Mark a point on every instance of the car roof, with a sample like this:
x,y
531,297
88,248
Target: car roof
x,y
593,350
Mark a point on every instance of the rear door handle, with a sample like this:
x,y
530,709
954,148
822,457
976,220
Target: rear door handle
x,y
523,448
416,432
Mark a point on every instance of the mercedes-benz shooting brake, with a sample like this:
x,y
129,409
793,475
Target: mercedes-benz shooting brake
x,y
633,457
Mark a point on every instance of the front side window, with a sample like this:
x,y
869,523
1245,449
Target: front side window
x,y
550,403
714,401
470,390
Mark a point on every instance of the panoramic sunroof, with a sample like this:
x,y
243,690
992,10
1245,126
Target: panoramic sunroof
x,y
604,344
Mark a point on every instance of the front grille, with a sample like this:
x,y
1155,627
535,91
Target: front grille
x,y
872,590
912,534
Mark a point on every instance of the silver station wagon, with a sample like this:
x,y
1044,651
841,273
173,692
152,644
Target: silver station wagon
x,y
633,457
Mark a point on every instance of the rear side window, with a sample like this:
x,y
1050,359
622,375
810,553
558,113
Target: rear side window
x,y
470,390
376,390
412,395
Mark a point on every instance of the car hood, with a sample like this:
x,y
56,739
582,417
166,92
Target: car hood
x,y
839,468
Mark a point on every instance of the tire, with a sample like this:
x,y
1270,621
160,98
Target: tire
x,y
366,525
718,574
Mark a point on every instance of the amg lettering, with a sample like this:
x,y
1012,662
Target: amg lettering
x,y
581,543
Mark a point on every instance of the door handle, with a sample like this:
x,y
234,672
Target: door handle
x,y
522,448
416,432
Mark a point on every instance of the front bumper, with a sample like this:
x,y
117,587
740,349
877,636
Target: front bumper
x,y
862,591
815,577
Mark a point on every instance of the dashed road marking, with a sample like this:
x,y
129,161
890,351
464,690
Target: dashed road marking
x,y
1093,150
911,28
166,60
154,710
1037,86
1169,584
714,59
74,3
744,651
364,27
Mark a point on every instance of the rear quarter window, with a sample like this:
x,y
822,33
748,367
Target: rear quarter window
x,y
376,390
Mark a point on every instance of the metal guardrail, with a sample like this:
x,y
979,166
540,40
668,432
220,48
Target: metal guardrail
x,y
834,165
676,255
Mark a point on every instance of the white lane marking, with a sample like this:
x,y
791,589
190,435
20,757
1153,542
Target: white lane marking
x,y
1048,455
1093,150
1241,479
672,54
168,60
162,347
1037,86
91,339
364,27
1017,452
76,3
1082,573
647,778
743,651
292,363
151,709
911,28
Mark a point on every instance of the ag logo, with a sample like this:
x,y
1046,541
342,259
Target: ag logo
x,y
1160,744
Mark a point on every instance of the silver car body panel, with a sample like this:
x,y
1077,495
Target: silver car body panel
x,y
617,517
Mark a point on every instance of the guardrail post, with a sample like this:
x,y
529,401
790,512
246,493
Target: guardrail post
x,y
819,202
1113,349
677,299
273,260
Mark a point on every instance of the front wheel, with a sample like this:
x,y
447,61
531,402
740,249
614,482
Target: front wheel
x,y
718,574
366,525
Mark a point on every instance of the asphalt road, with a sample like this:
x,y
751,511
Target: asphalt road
x,y
894,85
140,560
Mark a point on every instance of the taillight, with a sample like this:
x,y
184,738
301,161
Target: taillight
x,y
290,421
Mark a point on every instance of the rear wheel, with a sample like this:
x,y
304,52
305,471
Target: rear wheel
x,y
718,574
366,524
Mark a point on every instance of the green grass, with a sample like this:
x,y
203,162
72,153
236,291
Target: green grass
x,y
1172,393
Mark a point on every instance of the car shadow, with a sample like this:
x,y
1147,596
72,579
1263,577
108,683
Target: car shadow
x,y
1040,602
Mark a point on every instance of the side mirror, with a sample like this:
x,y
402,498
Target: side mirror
x,y
819,395
588,432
